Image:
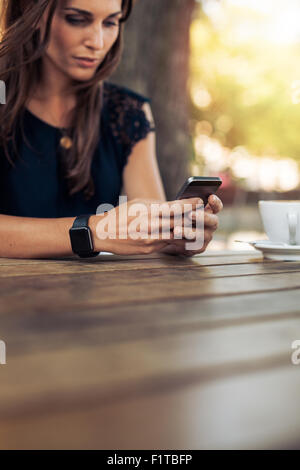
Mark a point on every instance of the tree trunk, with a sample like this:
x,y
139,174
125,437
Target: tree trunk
x,y
156,63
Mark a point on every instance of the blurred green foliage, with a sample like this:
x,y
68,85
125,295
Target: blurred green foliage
x,y
251,81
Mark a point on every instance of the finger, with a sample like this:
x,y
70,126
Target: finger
x,y
200,250
210,220
188,204
171,210
215,203
199,237
176,249
165,225
189,200
208,209
173,249
186,233
161,230
208,236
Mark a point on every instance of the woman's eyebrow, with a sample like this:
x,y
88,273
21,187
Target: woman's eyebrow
x,y
89,14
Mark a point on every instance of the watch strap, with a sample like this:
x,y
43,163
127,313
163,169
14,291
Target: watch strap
x,y
81,221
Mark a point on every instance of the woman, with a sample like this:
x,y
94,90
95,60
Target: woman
x,y
69,140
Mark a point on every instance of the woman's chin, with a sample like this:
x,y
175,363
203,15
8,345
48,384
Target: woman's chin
x,y
83,75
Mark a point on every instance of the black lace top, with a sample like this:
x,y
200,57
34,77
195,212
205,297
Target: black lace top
x,y
34,188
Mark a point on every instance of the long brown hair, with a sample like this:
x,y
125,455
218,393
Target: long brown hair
x,y
21,52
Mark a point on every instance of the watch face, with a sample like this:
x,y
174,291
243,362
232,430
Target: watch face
x,y
81,240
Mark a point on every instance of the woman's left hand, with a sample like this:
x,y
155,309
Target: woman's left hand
x,y
211,223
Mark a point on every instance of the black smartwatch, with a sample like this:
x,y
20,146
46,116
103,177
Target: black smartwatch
x,y
81,238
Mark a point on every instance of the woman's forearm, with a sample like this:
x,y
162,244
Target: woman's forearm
x,y
22,237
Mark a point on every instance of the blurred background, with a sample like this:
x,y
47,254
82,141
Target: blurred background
x,y
224,79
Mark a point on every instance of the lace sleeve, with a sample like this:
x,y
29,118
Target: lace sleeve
x,y
128,121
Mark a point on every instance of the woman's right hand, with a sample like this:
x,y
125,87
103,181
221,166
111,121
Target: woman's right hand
x,y
126,229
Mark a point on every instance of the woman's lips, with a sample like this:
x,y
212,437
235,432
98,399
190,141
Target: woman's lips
x,y
86,63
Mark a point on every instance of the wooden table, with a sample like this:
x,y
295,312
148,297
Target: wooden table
x,y
153,352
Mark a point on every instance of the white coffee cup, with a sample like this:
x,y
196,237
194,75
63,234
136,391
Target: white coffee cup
x,y
281,220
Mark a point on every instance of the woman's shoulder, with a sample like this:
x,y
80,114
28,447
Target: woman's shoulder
x,y
124,108
127,119
114,94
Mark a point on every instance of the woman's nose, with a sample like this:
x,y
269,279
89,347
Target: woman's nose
x,y
96,39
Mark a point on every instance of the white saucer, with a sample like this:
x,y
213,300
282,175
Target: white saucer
x,y
277,251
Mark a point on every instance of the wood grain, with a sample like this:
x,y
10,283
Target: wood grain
x,y
199,349
257,411
105,289
106,371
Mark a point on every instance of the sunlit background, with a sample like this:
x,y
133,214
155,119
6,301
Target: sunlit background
x,y
245,95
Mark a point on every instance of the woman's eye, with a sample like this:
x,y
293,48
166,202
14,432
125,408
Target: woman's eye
x,y
111,25
74,20
78,21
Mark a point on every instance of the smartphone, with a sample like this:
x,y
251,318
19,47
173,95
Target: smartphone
x,y
199,186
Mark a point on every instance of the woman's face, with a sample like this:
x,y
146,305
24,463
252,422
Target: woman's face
x,y
82,28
